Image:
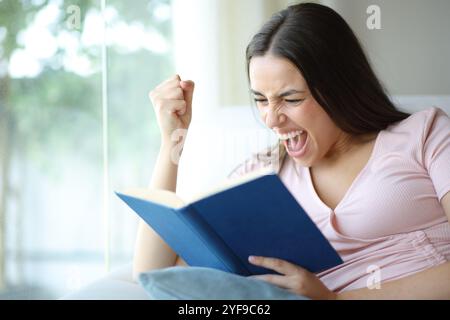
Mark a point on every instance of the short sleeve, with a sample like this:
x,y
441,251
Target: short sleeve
x,y
436,150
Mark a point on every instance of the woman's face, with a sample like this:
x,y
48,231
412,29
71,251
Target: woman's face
x,y
287,107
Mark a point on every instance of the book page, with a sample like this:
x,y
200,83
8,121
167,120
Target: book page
x,y
164,197
230,183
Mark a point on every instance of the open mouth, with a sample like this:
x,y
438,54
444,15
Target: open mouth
x,y
296,146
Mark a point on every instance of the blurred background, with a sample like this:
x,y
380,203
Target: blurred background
x,y
76,123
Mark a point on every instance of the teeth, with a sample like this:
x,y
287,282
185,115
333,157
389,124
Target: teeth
x,y
289,135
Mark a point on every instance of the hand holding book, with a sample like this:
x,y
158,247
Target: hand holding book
x,y
293,278
254,215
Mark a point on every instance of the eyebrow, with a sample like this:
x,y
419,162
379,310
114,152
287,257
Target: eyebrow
x,y
284,94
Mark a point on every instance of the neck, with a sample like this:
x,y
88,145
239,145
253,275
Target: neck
x,y
344,145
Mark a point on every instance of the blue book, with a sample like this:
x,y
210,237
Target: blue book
x,y
254,215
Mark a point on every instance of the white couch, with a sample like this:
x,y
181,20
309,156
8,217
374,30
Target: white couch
x,y
214,146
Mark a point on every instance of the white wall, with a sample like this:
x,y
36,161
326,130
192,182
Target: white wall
x,y
196,50
411,51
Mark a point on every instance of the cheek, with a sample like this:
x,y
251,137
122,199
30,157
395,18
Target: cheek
x,y
319,125
324,134
305,115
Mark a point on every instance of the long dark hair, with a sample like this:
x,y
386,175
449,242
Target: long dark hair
x,y
331,60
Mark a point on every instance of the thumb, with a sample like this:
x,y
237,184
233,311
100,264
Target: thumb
x,y
188,91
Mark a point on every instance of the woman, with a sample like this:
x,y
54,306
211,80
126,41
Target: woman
x,y
375,180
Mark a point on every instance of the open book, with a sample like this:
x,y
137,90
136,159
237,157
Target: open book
x,y
254,214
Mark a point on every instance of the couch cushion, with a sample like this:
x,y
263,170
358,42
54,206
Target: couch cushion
x,y
197,283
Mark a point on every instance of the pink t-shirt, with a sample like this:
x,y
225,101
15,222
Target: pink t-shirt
x,y
390,223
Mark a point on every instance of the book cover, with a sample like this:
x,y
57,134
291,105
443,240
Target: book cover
x,y
254,215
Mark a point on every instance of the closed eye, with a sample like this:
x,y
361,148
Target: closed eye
x,y
287,100
260,100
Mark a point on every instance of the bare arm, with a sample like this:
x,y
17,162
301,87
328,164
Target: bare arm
x,y
151,252
172,101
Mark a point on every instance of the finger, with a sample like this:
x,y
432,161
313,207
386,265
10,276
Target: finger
x,y
188,91
175,77
173,81
280,281
172,93
162,94
172,106
280,266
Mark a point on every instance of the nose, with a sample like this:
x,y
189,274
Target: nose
x,y
274,118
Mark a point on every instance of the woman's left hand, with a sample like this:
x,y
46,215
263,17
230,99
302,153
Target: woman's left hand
x,y
293,278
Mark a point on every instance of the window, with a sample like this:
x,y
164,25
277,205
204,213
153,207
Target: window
x,y
74,115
